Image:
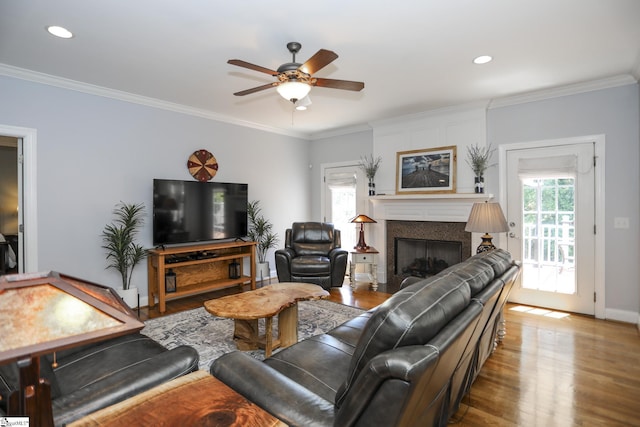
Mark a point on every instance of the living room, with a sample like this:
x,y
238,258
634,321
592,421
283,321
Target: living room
x,y
86,148
110,151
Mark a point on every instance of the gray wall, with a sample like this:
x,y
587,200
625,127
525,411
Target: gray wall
x,y
339,149
93,152
614,113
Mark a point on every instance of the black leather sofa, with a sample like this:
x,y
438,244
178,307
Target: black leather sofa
x,y
312,254
95,376
407,362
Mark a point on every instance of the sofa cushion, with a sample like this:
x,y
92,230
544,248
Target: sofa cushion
x,y
79,367
349,332
412,316
319,363
477,274
311,265
499,259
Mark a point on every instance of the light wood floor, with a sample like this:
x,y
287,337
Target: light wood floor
x,y
552,369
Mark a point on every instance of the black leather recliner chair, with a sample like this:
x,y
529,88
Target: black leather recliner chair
x,y
312,254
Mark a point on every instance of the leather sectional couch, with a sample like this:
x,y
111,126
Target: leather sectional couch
x,y
95,376
407,362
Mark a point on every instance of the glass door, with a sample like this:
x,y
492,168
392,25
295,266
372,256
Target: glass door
x,y
340,201
551,213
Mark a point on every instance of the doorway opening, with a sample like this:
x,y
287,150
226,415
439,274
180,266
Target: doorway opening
x,y
27,253
9,205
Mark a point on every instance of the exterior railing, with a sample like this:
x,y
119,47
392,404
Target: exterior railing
x,y
549,244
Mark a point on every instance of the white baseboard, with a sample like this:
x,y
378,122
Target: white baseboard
x,y
622,316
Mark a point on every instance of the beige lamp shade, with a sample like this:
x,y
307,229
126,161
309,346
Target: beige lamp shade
x,y
486,218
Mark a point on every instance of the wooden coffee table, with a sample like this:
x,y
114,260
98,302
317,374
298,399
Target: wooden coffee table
x,y
196,399
264,303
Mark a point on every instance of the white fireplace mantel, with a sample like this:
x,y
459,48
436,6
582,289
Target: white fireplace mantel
x,y
452,207
448,207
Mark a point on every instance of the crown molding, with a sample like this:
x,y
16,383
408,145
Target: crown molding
x,y
556,92
572,89
331,133
472,107
47,79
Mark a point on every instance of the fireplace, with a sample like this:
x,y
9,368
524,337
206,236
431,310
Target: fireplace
x,y
424,257
424,248
440,217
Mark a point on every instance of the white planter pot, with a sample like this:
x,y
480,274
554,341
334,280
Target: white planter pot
x,y
263,272
130,296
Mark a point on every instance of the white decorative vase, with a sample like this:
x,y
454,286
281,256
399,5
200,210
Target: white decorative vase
x,y
130,296
262,271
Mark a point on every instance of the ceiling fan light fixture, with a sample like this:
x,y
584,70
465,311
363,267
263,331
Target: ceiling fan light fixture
x,y
303,103
293,90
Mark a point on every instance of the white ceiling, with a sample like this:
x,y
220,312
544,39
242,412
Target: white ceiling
x,y
413,55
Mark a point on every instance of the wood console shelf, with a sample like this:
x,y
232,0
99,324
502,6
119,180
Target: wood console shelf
x,y
198,269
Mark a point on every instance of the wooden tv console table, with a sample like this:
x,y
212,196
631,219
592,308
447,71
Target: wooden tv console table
x,y
198,269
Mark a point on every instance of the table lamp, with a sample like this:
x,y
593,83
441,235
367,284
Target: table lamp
x,y
361,219
43,313
486,218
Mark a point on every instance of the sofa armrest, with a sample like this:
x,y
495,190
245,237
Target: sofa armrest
x,y
387,377
272,391
339,258
124,384
283,259
337,253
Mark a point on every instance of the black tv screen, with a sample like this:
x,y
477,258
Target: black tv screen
x,y
193,211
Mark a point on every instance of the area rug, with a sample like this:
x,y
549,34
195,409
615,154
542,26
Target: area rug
x,y
212,336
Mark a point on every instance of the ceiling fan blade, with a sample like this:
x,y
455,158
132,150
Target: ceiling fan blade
x,y
321,59
241,63
339,84
256,89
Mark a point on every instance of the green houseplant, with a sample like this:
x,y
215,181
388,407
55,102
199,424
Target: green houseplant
x,y
260,230
118,238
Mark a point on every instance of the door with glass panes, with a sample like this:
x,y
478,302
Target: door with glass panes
x,y
551,214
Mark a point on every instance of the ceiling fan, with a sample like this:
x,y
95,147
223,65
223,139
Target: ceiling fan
x,y
295,80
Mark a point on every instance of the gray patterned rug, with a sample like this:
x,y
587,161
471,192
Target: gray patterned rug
x,y
212,336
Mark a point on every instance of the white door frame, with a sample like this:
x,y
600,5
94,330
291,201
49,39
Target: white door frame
x,y
599,141
28,183
361,189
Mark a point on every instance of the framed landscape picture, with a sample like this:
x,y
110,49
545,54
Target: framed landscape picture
x,y
426,171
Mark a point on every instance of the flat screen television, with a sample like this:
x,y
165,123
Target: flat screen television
x,y
193,211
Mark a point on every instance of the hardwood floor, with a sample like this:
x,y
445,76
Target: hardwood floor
x,y
552,368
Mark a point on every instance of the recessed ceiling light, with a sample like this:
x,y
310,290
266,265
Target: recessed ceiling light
x,y
482,59
61,32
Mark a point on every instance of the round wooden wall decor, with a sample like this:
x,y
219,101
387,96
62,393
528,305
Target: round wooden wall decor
x,y
202,165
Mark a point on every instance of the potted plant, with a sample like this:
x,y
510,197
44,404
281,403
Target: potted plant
x,y
260,230
370,166
478,158
123,253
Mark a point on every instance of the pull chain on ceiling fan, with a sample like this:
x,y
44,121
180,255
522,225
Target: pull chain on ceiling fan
x,y
295,80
